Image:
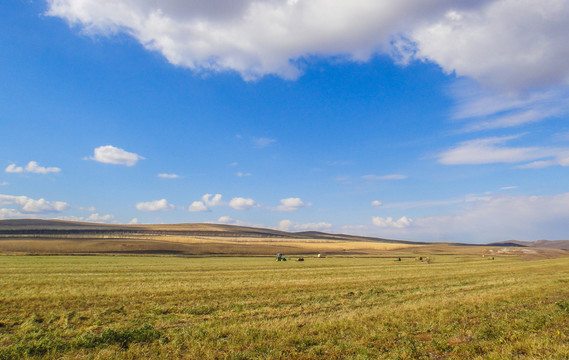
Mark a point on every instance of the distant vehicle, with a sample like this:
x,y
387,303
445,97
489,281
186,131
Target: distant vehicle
x,y
280,257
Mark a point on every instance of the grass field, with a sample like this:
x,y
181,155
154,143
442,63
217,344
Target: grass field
x,y
101,307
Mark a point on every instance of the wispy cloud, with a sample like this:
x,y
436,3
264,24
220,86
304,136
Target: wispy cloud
x,y
168,176
384,177
498,219
494,150
263,142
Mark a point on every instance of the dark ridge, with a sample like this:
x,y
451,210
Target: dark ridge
x,y
508,244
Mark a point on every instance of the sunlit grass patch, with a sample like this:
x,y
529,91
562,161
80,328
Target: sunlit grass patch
x,y
247,308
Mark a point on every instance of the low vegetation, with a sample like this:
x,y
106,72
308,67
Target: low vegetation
x,y
443,307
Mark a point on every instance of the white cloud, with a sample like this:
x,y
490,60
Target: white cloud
x,y
287,225
208,200
240,203
133,221
230,221
483,39
109,154
385,177
12,168
156,205
263,142
100,218
198,206
509,44
508,187
498,218
95,218
388,222
226,220
376,203
291,204
168,176
32,167
469,198
313,226
234,164
212,200
27,205
11,214
240,174
493,150
4,183
88,209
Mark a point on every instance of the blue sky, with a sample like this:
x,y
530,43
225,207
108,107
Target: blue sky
x,y
431,122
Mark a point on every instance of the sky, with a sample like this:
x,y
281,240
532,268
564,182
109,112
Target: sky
x,y
426,121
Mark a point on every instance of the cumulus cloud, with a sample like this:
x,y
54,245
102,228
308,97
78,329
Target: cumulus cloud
x,y
287,225
482,39
291,204
226,220
376,203
241,174
32,167
212,200
156,205
28,205
12,168
95,218
109,154
313,226
133,221
230,221
198,206
509,44
388,222
11,214
240,203
168,176
385,177
208,200
494,150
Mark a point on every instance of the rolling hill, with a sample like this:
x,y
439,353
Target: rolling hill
x,y
31,236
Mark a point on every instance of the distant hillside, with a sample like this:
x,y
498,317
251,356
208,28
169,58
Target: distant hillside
x,y
544,244
28,236
59,227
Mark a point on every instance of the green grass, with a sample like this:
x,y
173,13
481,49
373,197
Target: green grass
x,y
255,308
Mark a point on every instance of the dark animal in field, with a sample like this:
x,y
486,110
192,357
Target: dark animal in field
x,y
300,259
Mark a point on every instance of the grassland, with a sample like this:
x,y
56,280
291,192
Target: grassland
x,y
101,307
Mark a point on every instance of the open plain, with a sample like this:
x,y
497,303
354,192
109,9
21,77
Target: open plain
x,y
447,306
204,291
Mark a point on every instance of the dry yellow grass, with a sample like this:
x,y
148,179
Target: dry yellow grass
x,y
449,307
